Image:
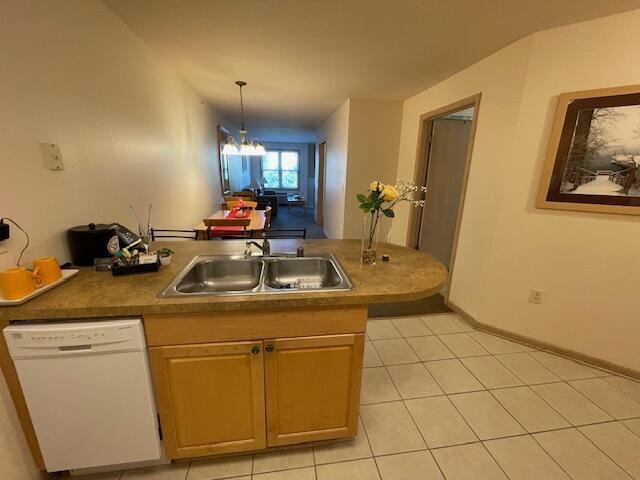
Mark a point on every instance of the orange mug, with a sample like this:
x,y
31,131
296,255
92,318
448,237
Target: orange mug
x,y
19,282
48,268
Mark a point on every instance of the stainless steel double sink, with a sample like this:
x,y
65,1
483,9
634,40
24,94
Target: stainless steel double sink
x,y
239,275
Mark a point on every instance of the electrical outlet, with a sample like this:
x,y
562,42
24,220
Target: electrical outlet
x,y
535,295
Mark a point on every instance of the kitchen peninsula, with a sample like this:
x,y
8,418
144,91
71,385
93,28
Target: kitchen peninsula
x,y
239,373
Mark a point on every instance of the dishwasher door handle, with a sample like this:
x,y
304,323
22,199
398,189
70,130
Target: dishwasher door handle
x,y
75,348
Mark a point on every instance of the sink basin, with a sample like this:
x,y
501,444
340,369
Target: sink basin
x,y
221,275
237,275
302,273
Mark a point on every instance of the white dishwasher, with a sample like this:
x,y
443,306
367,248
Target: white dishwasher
x,y
89,392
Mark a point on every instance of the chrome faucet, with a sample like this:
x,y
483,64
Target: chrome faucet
x,y
265,247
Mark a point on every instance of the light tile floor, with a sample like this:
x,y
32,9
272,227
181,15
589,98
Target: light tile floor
x,y
442,401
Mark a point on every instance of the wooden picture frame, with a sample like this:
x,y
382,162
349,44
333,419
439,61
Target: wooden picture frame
x,y
593,158
223,161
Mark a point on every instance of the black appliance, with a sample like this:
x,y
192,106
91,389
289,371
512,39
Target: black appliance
x,y
98,240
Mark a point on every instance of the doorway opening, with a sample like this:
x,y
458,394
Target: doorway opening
x,y
445,144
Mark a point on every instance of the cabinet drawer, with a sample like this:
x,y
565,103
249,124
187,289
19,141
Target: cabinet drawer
x,y
191,328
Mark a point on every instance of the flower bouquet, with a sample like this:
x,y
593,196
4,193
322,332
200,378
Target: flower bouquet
x,y
379,203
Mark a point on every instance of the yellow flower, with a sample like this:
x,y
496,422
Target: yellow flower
x,y
389,193
376,186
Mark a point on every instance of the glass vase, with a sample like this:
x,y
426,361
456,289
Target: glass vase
x,y
369,249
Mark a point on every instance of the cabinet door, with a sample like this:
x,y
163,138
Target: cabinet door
x,y
210,397
312,387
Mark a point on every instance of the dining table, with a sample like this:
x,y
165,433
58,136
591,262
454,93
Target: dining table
x,y
257,220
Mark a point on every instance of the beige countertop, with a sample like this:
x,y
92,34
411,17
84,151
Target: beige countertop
x,y
409,275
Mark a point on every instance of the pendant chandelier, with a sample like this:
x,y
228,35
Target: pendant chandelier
x,y
246,147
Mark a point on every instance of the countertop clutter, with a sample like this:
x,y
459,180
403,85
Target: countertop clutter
x,y
409,275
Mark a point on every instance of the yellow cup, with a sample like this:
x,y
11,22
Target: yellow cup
x,y
19,282
48,268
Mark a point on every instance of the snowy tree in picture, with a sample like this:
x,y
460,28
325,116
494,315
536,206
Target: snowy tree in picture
x,y
604,154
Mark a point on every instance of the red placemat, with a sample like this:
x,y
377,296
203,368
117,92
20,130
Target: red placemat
x,y
231,230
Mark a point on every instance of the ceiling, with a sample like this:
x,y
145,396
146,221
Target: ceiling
x,y
303,58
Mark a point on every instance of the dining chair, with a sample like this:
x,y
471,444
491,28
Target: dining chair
x,y
227,222
157,233
247,203
245,195
292,233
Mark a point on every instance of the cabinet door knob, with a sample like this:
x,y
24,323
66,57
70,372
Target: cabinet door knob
x,y
269,348
255,350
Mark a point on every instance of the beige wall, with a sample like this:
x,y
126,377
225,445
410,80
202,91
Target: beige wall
x,y
499,78
131,132
362,145
586,263
335,131
374,137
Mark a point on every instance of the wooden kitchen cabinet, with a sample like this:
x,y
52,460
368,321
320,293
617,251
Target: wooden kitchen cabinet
x,y
312,387
210,397
215,395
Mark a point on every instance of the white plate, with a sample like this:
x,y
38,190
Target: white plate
x,y
66,275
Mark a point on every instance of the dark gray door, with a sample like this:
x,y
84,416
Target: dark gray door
x,y
445,176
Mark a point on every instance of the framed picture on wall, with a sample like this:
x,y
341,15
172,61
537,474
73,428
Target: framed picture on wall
x,y
593,160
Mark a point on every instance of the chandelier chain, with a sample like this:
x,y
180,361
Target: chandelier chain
x,y
242,124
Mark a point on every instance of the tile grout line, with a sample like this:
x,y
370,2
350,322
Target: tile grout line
x,y
557,462
464,366
603,452
466,334
539,446
549,455
621,422
590,400
423,439
551,406
619,390
497,356
186,476
494,459
366,435
478,377
431,333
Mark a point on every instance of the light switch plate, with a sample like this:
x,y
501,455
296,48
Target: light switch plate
x,y
52,156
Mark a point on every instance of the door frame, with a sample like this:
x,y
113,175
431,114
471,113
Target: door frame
x,y
320,181
422,167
